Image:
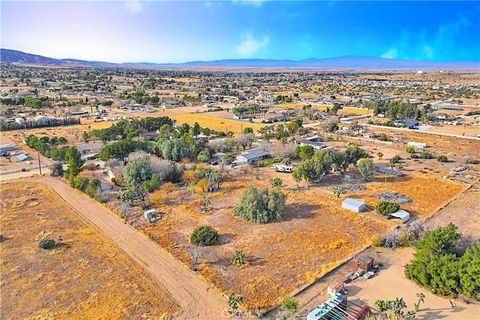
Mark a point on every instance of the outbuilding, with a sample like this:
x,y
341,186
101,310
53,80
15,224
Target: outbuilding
x,y
400,214
353,205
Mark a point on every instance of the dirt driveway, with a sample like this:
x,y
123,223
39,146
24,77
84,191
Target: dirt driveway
x,y
196,299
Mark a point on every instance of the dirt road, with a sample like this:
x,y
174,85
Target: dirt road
x,y
196,299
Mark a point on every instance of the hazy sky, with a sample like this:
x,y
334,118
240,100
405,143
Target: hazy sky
x,y
162,31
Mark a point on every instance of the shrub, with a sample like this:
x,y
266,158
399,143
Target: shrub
x,y
234,300
92,188
276,182
290,304
81,183
442,158
386,207
152,184
204,236
269,162
260,205
377,241
426,155
238,258
410,149
46,244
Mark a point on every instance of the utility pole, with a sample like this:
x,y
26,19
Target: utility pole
x,y
39,166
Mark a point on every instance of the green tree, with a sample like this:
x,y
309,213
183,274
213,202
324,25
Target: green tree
x,y
196,129
305,152
136,172
469,271
339,190
386,207
75,163
204,236
379,155
366,168
260,205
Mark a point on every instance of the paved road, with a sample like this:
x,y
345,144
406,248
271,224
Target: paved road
x,y
196,299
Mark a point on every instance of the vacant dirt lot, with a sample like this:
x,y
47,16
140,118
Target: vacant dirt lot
x,y
216,123
282,257
87,277
463,212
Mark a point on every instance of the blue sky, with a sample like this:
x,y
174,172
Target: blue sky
x,y
163,31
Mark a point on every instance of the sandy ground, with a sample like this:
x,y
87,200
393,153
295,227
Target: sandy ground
x,y
472,131
87,277
391,283
195,297
463,212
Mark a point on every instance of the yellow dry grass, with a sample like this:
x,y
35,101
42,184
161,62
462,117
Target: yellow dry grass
x,y
343,111
87,278
216,123
313,238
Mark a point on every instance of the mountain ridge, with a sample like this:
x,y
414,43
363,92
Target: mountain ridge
x,y
342,62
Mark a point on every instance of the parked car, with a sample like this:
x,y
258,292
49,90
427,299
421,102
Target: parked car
x,y
369,274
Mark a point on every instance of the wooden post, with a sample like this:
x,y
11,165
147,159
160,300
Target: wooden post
x,y
39,165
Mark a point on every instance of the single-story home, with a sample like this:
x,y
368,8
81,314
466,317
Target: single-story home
x,y
409,123
353,205
400,214
90,150
315,142
253,155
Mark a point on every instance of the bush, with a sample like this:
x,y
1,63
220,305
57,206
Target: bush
x,y
426,155
260,205
377,241
46,244
152,184
410,149
385,207
442,158
269,162
81,183
238,258
92,188
290,304
204,236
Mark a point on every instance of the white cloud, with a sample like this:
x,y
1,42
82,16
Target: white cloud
x,y
390,54
256,3
133,6
250,45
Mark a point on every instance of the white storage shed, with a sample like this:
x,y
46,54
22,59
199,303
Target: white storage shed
x,y
353,205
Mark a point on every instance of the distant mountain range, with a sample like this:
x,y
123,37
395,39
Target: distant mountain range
x,y
345,62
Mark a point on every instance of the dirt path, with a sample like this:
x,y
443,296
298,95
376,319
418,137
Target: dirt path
x,y
196,299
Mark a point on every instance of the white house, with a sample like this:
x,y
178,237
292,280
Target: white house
x,y
253,155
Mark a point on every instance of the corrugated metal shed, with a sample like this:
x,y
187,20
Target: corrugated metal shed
x,y
353,205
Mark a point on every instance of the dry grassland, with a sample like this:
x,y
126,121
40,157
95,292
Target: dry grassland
x,y
282,257
87,278
216,123
343,111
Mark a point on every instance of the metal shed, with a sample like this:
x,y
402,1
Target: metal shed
x,y
353,205
400,214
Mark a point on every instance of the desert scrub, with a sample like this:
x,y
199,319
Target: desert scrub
x,y
385,207
204,236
